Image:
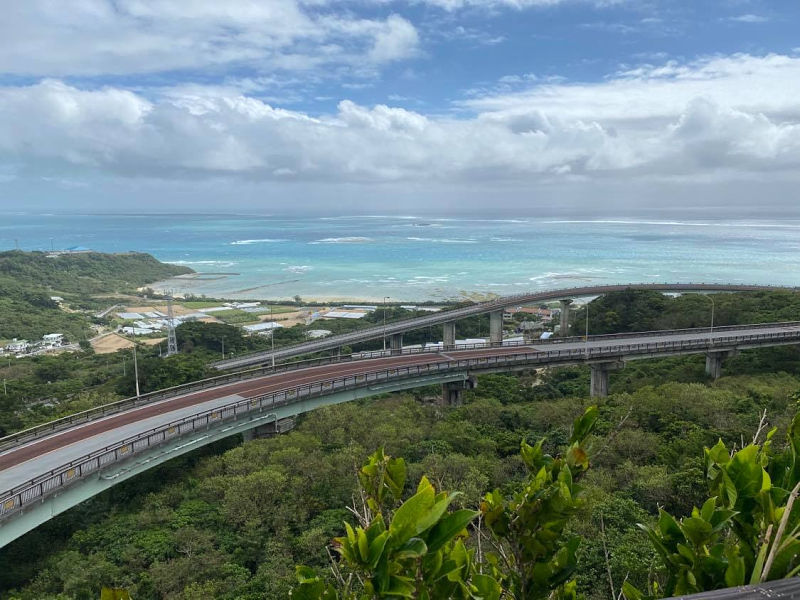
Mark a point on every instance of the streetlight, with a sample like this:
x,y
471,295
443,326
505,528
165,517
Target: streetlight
x,y
711,330
135,363
272,335
385,298
586,305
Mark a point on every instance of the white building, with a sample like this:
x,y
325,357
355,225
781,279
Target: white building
x,y
241,305
53,339
262,328
316,334
342,314
17,346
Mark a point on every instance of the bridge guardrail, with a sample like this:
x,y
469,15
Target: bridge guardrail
x,y
33,433
482,307
43,485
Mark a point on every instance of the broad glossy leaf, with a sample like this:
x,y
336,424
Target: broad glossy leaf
x,y
696,530
717,454
448,527
708,509
532,455
376,549
669,528
395,477
413,548
583,425
746,472
734,574
486,587
414,509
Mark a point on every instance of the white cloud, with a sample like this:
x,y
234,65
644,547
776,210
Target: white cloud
x,y
714,118
750,18
396,39
650,95
453,5
102,37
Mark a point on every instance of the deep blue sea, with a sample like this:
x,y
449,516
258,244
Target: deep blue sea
x,y
422,258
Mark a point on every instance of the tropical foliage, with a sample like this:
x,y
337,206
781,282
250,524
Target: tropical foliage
x,y
417,549
748,531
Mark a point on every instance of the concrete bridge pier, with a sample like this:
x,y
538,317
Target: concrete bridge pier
x,y
598,387
563,330
496,328
453,392
396,343
714,362
449,334
269,430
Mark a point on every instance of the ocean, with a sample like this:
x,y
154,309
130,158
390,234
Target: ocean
x,y
416,258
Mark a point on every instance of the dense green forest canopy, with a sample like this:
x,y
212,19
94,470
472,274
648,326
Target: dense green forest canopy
x,y
28,280
644,310
231,521
84,273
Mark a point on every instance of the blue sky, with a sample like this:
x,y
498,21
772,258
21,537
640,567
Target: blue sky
x,y
600,105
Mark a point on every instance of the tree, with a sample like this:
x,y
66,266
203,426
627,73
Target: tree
x,y
532,560
748,531
417,549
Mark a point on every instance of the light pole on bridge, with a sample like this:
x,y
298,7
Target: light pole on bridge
x,y
711,330
272,335
135,362
586,306
385,298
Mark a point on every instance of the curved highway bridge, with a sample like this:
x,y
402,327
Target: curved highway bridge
x,y
50,468
394,331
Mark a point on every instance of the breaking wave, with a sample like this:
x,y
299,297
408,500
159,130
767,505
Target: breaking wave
x,y
299,268
344,240
248,242
442,241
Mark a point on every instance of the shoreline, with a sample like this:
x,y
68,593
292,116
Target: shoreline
x,y
181,286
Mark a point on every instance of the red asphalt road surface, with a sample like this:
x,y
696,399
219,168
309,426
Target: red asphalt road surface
x,y
247,389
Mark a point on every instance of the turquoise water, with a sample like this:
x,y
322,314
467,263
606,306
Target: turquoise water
x,y
420,258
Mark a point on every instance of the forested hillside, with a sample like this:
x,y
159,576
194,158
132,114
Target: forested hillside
x,y
84,273
643,310
233,525
29,279
232,521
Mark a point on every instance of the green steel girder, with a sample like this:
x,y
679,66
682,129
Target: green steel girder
x,y
82,489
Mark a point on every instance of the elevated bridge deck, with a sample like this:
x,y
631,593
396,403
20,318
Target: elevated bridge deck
x,y
50,468
450,316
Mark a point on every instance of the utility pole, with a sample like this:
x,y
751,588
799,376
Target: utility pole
x,y
272,335
223,347
172,340
5,391
124,370
135,362
385,298
711,332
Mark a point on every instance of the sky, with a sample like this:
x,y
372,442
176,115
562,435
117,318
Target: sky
x,y
401,106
